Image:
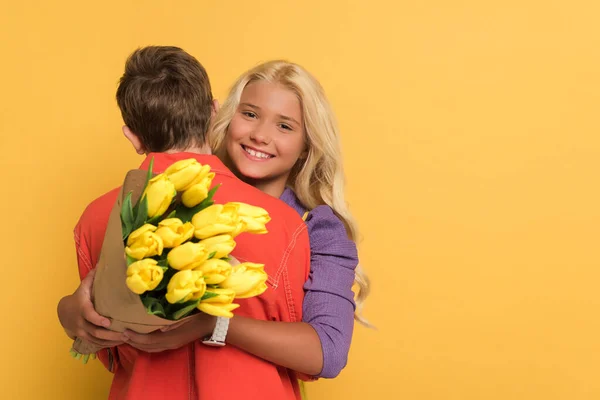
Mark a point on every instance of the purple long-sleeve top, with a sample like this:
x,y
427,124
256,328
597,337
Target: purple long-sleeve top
x,y
329,301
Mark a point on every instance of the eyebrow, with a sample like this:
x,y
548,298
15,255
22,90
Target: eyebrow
x,y
284,117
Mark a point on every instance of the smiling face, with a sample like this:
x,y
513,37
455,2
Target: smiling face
x,y
266,136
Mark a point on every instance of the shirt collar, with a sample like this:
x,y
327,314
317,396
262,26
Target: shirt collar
x,y
288,196
163,160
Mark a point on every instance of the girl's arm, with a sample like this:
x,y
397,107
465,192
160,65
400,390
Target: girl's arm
x,y
329,300
319,345
294,345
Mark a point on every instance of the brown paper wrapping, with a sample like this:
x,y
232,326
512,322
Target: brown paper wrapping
x,y
110,294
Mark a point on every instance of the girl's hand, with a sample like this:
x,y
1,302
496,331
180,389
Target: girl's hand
x,y
174,336
79,318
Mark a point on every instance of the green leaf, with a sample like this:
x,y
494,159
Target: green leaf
x,y
167,275
154,220
211,255
130,260
162,262
126,230
126,216
164,254
211,193
126,208
208,295
186,214
142,213
136,209
153,306
157,218
171,214
184,309
149,175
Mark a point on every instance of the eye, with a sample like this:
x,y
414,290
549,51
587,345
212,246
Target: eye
x,y
286,127
249,114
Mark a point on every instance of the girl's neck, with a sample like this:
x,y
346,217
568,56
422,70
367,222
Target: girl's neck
x,y
272,188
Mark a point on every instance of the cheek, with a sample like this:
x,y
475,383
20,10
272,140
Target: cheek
x,y
293,148
238,129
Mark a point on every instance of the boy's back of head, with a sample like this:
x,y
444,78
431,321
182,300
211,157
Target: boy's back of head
x,y
165,98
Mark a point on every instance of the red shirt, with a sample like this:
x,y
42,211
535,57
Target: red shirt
x,y
198,371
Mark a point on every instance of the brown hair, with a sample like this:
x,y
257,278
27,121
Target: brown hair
x,y
165,98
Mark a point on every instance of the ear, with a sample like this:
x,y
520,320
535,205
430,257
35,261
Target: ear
x,y
215,108
134,139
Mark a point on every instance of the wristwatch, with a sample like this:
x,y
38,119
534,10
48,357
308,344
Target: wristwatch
x,y
217,339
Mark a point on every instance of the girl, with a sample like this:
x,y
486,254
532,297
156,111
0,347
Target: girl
x,y
277,132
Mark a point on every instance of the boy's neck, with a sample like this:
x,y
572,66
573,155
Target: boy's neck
x,y
193,149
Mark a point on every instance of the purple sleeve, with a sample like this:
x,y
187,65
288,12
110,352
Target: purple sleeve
x,y
329,300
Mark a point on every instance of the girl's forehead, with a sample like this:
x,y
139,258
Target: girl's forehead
x,y
272,97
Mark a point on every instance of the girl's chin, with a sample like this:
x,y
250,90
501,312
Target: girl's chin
x,y
251,173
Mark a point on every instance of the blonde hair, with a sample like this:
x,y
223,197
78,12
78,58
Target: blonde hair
x,y
319,178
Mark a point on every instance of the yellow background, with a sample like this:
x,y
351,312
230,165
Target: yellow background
x,y
470,133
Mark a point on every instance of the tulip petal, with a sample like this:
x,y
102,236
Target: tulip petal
x,y
218,310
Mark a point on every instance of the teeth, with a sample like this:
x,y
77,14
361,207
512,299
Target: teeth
x,y
256,153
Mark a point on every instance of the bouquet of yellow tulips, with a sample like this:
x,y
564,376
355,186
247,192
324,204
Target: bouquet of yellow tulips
x,y
166,252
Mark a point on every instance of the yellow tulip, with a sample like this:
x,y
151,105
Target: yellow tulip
x,y
144,242
220,305
221,245
218,309
254,217
187,256
143,275
217,219
214,271
186,173
223,296
197,191
174,232
160,192
246,280
185,286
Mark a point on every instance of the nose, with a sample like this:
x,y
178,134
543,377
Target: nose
x,y
260,135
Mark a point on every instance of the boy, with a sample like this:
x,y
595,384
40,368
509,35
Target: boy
x,y
166,102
